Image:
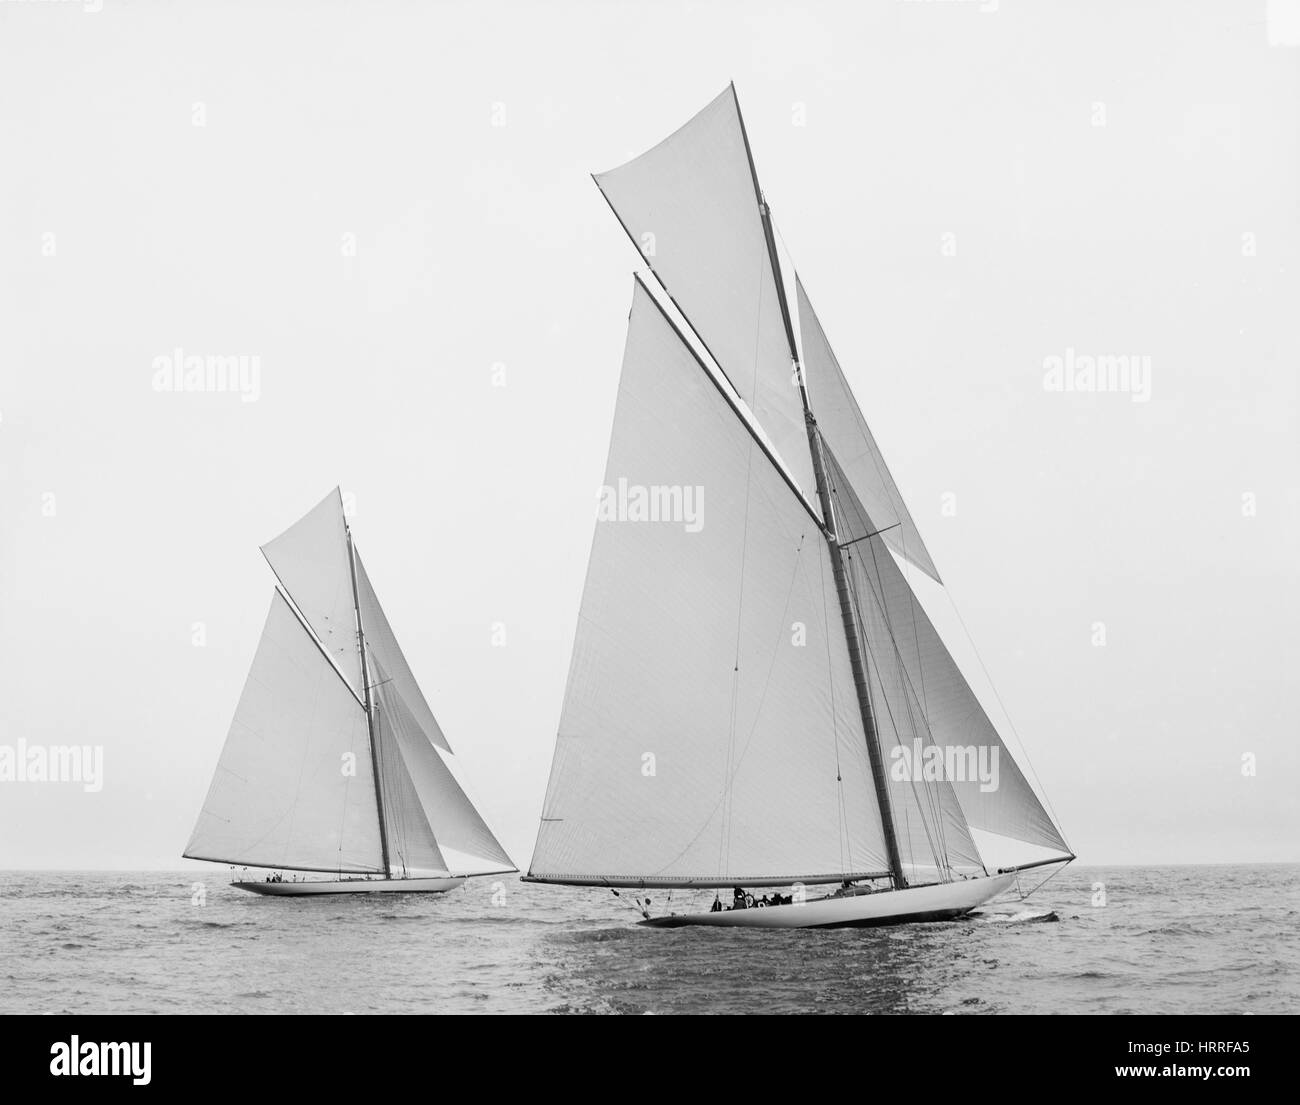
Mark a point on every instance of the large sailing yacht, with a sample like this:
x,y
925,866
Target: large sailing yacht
x,y
334,761
756,696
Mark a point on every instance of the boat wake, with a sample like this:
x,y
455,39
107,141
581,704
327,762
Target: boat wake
x,y
1024,917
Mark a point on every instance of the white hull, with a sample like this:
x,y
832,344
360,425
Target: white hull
x,y
308,887
940,902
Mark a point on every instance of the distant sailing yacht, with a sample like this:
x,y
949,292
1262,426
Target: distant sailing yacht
x,y
330,765
756,697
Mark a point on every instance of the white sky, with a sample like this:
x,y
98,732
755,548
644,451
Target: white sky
x,y
479,244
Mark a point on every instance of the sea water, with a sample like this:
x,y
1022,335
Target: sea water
x,y
1091,940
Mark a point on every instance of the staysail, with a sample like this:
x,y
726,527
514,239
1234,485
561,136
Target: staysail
x,y
293,788
710,733
928,698
845,431
387,654
691,205
441,808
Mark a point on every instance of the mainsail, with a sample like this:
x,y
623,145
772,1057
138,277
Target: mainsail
x,y
709,733
330,763
293,788
755,695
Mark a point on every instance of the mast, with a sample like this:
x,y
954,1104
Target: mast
x,y
369,704
847,613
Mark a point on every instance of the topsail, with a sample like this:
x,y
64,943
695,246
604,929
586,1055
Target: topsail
x,y
691,205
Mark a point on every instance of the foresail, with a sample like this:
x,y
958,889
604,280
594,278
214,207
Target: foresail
x,y
710,734
691,205
310,559
293,787
464,841
929,700
844,428
385,651
413,849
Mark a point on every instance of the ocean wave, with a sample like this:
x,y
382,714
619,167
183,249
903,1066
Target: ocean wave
x,y
1028,916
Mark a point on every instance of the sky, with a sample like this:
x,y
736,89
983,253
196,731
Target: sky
x,y
389,206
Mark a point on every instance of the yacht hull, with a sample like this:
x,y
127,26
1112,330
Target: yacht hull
x,y
940,902
312,887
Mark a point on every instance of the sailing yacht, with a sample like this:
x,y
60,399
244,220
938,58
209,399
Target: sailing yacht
x,y
334,763
756,696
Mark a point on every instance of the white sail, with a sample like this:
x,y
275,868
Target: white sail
x,y
413,850
310,559
436,804
294,786
844,429
386,653
691,205
928,699
710,734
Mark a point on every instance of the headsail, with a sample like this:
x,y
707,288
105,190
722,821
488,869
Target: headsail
x,y
310,559
463,841
710,733
927,698
293,788
691,205
387,654
413,848
845,430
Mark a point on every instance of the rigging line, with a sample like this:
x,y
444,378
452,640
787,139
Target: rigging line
x,y
626,902
1049,878
1060,829
865,536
